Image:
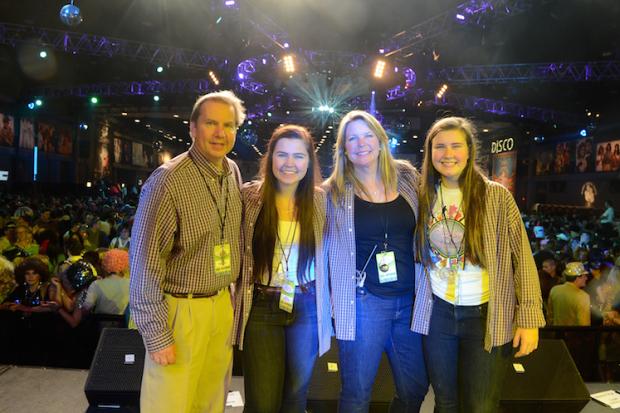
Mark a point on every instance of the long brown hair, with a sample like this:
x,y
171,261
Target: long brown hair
x,y
471,183
266,227
343,168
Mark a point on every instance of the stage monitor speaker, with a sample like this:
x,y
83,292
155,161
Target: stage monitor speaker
x,y
115,374
550,383
324,389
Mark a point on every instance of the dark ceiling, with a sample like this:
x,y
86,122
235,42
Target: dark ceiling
x,y
549,31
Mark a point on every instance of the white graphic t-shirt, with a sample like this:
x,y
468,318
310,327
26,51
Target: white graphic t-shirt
x,y
453,278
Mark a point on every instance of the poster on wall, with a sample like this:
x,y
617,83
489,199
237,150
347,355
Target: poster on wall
x,y
126,153
118,149
65,141
7,130
505,169
137,154
544,162
26,133
608,156
45,137
583,155
103,152
563,158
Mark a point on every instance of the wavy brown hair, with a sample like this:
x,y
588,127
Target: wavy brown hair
x,y
471,183
266,227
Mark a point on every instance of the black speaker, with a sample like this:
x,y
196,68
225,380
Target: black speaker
x,y
550,383
324,389
115,374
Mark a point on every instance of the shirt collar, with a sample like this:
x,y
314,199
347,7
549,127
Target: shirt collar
x,y
205,165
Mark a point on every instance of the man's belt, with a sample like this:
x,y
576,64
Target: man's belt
x,y
194,295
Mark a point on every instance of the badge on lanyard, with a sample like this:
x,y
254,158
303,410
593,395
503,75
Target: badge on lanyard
x,y
386,266
221,259
287,296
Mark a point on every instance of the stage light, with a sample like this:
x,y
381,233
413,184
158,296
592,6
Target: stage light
x,y
38,102
83,126
214,78
381,51
89,184
42,54
460,17
137,120
185,122
124,113
268,114
156,98
379,69
583,132
241,76
94,100
175,116
229,3
219,19
289,64
31,105
160,69
442,91
285,45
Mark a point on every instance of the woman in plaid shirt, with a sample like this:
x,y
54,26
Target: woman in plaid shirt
x,y
282,314
371,218
473,244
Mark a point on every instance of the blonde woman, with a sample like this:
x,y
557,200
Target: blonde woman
x,y
372,209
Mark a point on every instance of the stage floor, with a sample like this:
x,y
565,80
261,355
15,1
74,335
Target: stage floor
x,y
47,390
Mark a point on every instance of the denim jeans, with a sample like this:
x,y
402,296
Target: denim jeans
x,y
382,324
465,377
279,353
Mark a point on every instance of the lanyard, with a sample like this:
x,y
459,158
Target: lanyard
x,y
290,241
221,216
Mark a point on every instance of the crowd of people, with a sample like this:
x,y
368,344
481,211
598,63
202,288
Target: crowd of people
x,y
436,268
65,255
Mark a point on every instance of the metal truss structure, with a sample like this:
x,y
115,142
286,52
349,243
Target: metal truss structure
x,y
500,107
477,12
96,45
131,88
530,72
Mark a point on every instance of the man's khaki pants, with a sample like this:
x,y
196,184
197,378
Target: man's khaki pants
x,y
199,380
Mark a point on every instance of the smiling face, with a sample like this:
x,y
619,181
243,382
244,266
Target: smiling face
x,y
32,277
450,154
215,130
290,162
361,144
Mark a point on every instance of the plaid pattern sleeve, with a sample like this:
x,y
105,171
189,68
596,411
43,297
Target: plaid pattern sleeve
x,y
252,205
340,247
176,228
515,298
152,238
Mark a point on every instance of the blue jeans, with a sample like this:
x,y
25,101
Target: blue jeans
x,y
382,324
279,353
465,377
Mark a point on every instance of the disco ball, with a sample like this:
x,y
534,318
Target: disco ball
x,y
81,274
70,15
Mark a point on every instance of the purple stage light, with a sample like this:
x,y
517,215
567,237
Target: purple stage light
x,y
285,45
241,76
229,3
381,51
460,17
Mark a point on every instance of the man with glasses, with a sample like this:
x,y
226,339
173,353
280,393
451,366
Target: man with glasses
x,y
185,253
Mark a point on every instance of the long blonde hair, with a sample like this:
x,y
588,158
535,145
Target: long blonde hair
x,y
343,168
471,183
